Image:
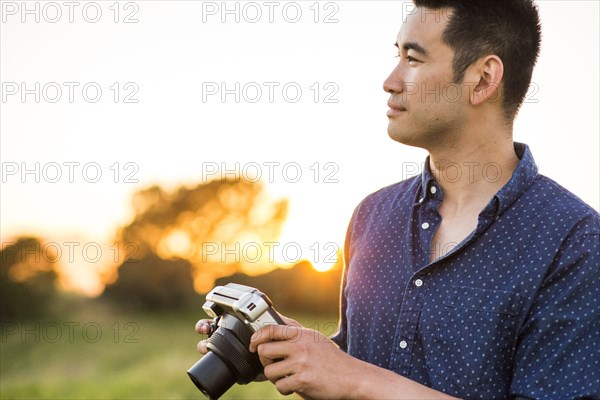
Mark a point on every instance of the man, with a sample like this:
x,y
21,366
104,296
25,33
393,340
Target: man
x,y
477,279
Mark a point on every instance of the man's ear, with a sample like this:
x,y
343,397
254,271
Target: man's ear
x,y
488,73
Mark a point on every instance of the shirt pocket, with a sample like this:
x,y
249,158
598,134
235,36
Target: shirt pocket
x,y
471,342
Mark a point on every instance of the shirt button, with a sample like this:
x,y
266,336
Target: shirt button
x,y
433,189
425,225
418,283
403,344
421,199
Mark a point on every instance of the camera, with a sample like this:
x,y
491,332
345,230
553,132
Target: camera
x,y
238,312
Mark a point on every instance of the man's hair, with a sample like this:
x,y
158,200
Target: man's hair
x,y
509,29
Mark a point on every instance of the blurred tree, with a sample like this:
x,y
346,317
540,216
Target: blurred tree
x,y
28,279
153,283
208,225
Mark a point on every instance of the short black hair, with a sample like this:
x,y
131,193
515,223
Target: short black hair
x,y
509,29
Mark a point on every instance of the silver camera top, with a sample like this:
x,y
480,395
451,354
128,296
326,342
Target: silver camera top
x,y
248,304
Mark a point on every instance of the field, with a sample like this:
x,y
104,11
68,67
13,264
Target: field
x,y
96,354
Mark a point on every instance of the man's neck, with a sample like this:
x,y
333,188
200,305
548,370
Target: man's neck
x,y
471,172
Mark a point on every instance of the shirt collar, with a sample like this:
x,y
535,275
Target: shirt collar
x,y
523,176
427,181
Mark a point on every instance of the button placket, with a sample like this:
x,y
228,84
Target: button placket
x,y
401,358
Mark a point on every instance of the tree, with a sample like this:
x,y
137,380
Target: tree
x,y
300,289
152,283
27,279
207,225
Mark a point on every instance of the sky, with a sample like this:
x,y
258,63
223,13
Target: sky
x,y
101,99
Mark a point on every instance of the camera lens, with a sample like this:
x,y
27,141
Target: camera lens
x,y
228,361
212,376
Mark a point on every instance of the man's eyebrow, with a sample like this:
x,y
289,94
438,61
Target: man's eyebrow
x,y
413,46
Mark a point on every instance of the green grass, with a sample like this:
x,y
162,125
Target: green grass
x,y
146,359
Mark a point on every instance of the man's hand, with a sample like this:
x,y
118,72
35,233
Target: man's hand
x,y
203,327
305,362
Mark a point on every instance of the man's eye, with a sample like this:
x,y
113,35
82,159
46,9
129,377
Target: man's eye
x,y
408,58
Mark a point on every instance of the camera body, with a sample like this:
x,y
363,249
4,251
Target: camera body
x,y
246,303
238,312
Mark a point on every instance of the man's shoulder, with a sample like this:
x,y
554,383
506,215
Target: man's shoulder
x,y
398,194
562,204
394,199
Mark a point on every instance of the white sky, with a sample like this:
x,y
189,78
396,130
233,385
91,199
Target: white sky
x,y
172,135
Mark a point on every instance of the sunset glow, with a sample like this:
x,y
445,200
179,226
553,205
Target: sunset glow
x,y
323,153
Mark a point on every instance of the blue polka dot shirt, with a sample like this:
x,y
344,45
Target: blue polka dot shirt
x,y
512,311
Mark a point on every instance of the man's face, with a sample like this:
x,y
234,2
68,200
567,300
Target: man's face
x,y
426,109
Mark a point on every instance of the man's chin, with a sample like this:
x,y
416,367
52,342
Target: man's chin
x,y
403,137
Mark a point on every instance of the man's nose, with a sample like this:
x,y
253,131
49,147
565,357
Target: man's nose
x,y
394,83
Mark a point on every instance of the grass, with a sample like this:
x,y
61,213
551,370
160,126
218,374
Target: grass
x,y
130,356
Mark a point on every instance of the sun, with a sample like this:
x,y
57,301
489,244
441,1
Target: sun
x,y
322,266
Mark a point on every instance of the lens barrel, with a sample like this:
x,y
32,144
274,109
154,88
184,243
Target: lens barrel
x,y
228,361
212,376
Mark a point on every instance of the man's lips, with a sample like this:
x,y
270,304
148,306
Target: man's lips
x,y
395,109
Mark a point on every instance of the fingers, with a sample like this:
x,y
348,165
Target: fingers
x,y
202,347
273,333
276,371
203,326
285,386
272,352
281,376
